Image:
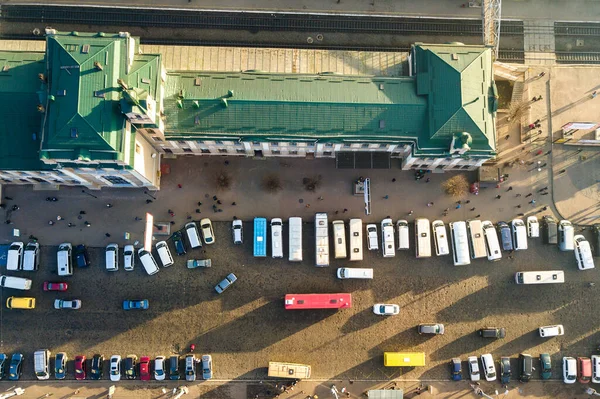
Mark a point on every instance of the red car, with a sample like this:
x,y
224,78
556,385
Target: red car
x,y
48,286
80,367
145,368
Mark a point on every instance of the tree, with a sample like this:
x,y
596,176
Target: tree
x,y
272,183
222,181
311,183
456,186
518,111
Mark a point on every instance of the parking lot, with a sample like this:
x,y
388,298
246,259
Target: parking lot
x,y
247,325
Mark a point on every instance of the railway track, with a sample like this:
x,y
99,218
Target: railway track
x,y
568,57
574,29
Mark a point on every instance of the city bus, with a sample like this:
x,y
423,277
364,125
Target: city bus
x,y
295,236
460,243
477,241
544,277
404,359
422,238
260,237
317,301
339,239
356,241
288,370
321,240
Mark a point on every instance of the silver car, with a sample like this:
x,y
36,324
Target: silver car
x,y
434,328
207,369
190,368
226,283
128,258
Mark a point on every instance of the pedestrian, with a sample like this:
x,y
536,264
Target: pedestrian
x,y
137,218
549,152
562,171
215,198
427,180
199,203
531,126
192,347
148,201
457,206
507,137
536,122
233,204
429,204
534,99
544,193
394,180
541,74
59,217
410,213
386,196
51,222
107,234
15,207
537,126
445,213
197,210
336,212
545,208
219,202
87,224
459,202
472,209
477,216
509,188
467,201
109,205
518,195
528,195
180,186
519,206
345,210
498,196
594,94
539,98
532,202
446,210
520,214
307,206
172,214
320,198
70,224
542,189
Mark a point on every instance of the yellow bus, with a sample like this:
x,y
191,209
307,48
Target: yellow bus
x,y
288,370
403,359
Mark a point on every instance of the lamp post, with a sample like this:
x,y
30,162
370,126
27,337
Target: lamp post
x,y
91,195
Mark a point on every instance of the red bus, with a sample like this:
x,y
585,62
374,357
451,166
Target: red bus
x,y
318,301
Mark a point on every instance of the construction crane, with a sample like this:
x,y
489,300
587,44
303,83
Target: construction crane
x,y
490,16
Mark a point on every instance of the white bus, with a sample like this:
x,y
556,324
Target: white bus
x,y
356,242
477,241
492,245
295,239
440,239
387,238
545,277
422,238
321,240
339,239
460,243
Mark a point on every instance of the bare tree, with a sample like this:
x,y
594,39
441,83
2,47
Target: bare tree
x,y
456,186
272,183
222,180
311,183
518,111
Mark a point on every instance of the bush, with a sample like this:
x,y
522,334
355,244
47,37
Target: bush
x,y
311,183
456,186
222,181
272,183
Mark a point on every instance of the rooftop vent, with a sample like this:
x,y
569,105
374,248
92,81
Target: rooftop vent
x,y
42,77
382,123
61,93
198,82
5,68
85,48
74,133
454,57
97,65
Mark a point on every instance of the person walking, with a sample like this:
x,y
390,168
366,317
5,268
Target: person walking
x,y
542,189
498,196
532,202
472,209
528,195
386,196
410,213
457,206
509,188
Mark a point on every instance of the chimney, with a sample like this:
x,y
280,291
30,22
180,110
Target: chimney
x,y
97,65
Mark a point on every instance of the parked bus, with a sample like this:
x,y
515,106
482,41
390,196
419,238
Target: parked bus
x,y
276,238
356,241
460,243
492,244
288,370
544,277
404,359
422,238
339,239
321,240
295,237
317,301
477,241
387,238
260,237
440,239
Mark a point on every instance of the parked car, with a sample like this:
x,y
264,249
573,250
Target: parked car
x,y
97,370
16,367
455,369
130,367
80,367
474,368
174,368
505,371
60,365
546,362
207,368
569,370
159,368
3,362
434,328
584,370
237,230
178,243
145,368
48,286
136,304
115,368
551,331
596,369
386,309
492,332
533,226
190,368
596,229
551,228
194,263
226,283
526,366
372,241
583,253
82,258
67,304
128,258
207,231
505,236
489,369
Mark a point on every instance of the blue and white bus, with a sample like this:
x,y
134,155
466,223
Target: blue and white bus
x,y
260,237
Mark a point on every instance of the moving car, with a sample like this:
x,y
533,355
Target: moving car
x,y
16,367
584,370
67,304
190,368
128,258
82,258
194,263
136,304
474,368
48,286
226,283
178,243
60,365
174,368
207,369
97,370
492,332
80,367
384,309
237,229
434,328
569,370
207,231
115,368
546,362
130,367
505,371
145,368
159,368
455,369
489,370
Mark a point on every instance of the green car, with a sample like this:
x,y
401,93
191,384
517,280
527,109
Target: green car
x,y
546,371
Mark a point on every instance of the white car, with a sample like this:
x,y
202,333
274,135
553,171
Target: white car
x,y
596,369
474,368
238,231
552,331
115,368
583,253
159,368
128,257
207,231
489,369
386,309
372,243
63,304
533,226
569,370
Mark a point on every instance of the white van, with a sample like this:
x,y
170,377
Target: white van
x,y
489,369
552,331
64,259
566,236
112,257
492,244
295,239
276,238
339,239
583,253
356,242
31,257
193,236
477,241
349,272
41,364
519,234
372,242
164,254
533,226
148,261
460,243
17,283
237,229
14,260
387,238
422,238
402,227
440,239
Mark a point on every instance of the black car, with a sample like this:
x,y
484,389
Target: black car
x,y
505,371
526,365
97,370
492,332
174,368
130,367
82,258
178,243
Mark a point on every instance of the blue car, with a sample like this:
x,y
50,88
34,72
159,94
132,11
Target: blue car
x,y
60,366
136,304
82,258
226,283
3,361
178,243
456,369
16,367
